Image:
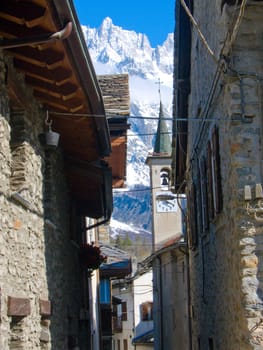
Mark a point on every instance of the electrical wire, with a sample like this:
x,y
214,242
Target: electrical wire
x,y
144,117
233,35
150,188
150,134
221,68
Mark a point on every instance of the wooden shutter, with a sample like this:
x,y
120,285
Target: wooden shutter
x,y
125,344
204,193
198,199
192,218
124,311
218,199
210,196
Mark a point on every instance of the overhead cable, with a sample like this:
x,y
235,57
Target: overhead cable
x,y
168,118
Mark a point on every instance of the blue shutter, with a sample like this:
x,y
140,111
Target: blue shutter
x,y
105,291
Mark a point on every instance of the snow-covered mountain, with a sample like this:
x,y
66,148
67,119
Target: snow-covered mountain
x,y
115,50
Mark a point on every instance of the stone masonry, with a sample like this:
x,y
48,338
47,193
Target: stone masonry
x,y
226,264
39,279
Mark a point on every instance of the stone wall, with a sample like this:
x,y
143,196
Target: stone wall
x,y
39,275
226,264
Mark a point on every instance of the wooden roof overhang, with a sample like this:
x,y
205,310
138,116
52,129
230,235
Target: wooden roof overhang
x,y
59,70
115,91
182,90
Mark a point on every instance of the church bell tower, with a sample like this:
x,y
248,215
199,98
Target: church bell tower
x,y
166,214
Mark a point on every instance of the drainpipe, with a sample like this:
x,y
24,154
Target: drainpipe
x,y
186,253
45,38
189,303
160,301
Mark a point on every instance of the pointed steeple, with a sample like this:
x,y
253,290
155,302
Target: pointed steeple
x,y
162,142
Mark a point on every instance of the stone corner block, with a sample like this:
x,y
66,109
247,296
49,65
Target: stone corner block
x,y
44,336
18,307
44,307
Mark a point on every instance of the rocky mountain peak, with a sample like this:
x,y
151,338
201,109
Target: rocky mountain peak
x,y
116,50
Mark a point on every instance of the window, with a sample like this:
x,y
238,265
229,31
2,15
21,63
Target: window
x,y
146,311
211,343
104,291
192,217
198,199
216,171
125,344
117,318
204,193
204,196
215,198
199,343
124,311
210,196
164,178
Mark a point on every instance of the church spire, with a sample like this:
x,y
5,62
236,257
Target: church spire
x,y
162,142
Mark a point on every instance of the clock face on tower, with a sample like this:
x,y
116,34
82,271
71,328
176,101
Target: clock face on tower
x,y
165,202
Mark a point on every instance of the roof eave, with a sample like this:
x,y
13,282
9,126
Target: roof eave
x,y
81,59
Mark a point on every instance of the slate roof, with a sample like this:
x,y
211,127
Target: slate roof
x,y
163,142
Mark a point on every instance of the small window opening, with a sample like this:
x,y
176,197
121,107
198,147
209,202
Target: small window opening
x,y
211,343
146,311
164,179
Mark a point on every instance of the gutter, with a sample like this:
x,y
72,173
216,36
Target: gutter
x,y
189,303
160,300
63,10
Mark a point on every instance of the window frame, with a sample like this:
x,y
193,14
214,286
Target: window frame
x,y
146,311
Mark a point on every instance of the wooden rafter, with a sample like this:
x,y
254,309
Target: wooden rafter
x,y
24,12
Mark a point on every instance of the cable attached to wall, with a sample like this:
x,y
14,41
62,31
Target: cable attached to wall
x,y
201,35
221,63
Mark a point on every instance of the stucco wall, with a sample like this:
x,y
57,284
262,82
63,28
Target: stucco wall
x,y
171,321
128,331
165,224
225,269
38,277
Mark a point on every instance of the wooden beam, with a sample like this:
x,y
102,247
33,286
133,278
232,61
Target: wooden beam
x,y
58,75
24,12
48,58
65,91
72,105
10,29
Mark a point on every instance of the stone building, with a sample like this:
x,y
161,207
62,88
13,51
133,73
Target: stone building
x,y
169,258
48,84
133,320
217,161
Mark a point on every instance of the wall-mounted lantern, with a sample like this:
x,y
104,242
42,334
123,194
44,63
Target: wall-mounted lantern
x,y
51,138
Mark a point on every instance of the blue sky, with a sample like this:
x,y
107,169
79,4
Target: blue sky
x,y
154,18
